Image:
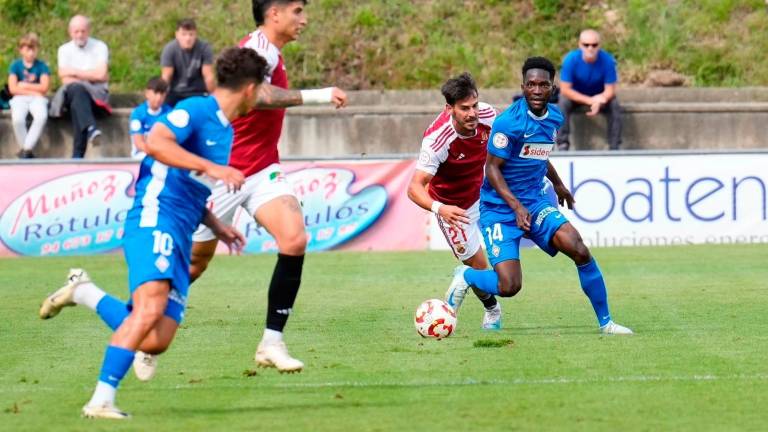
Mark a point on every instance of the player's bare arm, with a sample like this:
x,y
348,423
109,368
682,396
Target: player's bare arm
x,y
417,192
271,96
564,196
233,238
162,146
493,173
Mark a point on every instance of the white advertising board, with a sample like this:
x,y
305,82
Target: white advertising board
x,y
664,199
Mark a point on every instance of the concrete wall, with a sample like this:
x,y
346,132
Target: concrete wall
x,y
380,122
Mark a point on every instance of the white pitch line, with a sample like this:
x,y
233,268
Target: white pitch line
x,y
214,383
526,381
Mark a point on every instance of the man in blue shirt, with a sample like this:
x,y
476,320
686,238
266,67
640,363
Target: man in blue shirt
x,y
187,152
588,78
514,203
144,116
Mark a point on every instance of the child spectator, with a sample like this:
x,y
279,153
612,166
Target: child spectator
x,y
28,81
146,114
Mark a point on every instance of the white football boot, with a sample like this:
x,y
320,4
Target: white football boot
x,y
144,365
275,354
615,329
64,296
106,411
458,288
492,318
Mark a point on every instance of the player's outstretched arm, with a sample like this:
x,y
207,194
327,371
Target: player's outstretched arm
x,y
271,96
564,196
417,192
162,146
233,238
493,166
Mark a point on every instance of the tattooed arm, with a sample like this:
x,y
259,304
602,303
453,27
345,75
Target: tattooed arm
x,y
276,97
271,96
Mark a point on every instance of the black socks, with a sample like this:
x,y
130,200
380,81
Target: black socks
x,y
283,288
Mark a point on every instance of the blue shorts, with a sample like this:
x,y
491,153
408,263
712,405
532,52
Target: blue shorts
x,y
502,236
159,253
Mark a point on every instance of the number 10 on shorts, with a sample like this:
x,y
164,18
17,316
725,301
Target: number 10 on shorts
x,y
163,243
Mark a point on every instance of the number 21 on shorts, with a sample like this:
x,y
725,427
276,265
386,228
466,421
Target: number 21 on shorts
x,y
494,233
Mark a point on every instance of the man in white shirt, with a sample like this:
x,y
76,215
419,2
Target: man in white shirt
x,y
82,66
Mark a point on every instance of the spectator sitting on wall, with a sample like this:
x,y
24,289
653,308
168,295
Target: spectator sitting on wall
x,y
28,81
186,64
588,78
83,71
144,116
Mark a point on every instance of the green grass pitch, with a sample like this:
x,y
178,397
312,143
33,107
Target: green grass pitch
x,y
698,361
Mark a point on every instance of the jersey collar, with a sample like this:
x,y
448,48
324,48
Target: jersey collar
x,y
532,115
219,114
535,117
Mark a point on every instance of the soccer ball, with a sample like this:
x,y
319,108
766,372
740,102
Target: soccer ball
x,y
435,319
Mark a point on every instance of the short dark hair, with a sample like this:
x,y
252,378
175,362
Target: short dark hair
x,y
186,24
259,7
157,85
539,63
236,67
458,88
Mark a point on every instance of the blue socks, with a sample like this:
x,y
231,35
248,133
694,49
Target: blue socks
x,y
590,276
593,285
484,280
117,362
112,311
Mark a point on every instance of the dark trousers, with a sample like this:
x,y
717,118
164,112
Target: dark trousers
x,y
612,111
80,105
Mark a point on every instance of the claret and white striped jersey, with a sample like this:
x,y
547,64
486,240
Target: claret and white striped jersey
x,y
456,162
257,133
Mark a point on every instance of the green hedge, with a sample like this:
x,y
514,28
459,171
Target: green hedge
x,y
378,44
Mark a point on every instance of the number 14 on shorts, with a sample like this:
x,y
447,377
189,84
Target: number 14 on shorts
x,y
494,233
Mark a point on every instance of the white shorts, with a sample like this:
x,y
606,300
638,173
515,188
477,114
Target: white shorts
x,y
259,188
465,241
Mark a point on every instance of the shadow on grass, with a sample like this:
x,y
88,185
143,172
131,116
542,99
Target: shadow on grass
x,y
337,404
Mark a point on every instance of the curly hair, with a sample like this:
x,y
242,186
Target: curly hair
x,y
236,67
539,63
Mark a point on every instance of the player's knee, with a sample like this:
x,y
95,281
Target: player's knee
x,y
196,269
198,265
293,244
148,315
581,254
508,287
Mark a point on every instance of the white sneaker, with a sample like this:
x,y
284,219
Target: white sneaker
x,y
276,355
144,365
458,288
106,411
492,318
64,296
615,329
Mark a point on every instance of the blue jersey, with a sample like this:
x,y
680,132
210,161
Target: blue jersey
x,y
141,122
588,78
170,202
524,141
201,128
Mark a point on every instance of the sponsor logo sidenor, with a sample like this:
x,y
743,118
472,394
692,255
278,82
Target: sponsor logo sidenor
x,y
536,151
